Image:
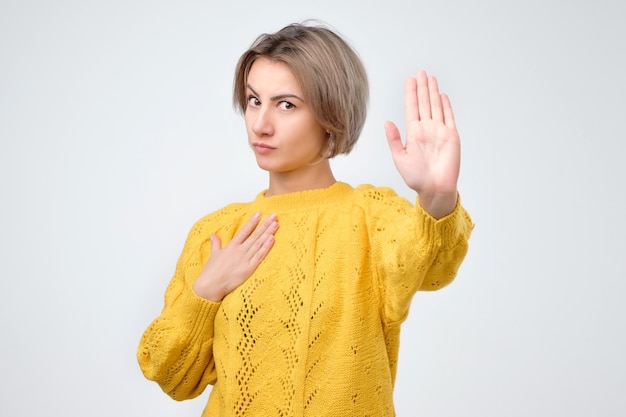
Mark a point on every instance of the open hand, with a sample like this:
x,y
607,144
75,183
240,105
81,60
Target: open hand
x,y
228,267
429,160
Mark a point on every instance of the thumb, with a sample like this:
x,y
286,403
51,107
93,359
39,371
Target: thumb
x,y
216,243
393,138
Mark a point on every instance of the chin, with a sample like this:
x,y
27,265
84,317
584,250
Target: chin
x,y
265,166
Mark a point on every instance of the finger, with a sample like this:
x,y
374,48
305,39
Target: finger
x,y
435,99
263,250
423,97
257,244
269,226
411,111
393,138
216,243
448,115
247,229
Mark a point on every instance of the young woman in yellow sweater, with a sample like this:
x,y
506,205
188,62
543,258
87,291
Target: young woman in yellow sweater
x,y
304,319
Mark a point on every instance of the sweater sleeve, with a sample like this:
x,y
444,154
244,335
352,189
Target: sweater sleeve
x,y
176,350
449,238
411,250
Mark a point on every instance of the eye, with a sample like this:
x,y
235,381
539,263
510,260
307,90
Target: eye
x,y
286,105
253,101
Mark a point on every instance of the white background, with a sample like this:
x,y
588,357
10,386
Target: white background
x,y
117,133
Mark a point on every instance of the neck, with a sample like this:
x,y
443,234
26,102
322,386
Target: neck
x,y
316,177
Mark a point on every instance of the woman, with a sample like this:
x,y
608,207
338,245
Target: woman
x,y
304,319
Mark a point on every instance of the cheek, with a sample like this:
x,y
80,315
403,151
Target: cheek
x,y
310,138
313,131
318,137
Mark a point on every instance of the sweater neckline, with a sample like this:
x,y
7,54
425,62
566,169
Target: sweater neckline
x,y
300,199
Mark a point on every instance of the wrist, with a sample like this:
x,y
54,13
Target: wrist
x,y
208,291
438,205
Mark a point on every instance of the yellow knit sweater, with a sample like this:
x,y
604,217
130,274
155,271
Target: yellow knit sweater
x,y
315,330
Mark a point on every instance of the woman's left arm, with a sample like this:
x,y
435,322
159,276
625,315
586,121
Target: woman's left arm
x,y
429,159
429,162
413,251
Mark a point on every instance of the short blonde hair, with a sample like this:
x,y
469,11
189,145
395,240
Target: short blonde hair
x,y
331,74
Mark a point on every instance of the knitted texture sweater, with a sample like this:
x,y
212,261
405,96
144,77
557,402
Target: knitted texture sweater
x,y
315,330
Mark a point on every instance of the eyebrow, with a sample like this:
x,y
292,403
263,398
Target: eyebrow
x,y
276,98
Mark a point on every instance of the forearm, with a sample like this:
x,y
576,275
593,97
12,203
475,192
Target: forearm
x,y
409,248
176,350
452,233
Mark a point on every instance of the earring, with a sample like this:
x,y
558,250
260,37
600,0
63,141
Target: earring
x,y
330,152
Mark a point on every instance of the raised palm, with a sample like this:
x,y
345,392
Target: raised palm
x,y
429,159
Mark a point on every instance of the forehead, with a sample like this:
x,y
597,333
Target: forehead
x,y
272,76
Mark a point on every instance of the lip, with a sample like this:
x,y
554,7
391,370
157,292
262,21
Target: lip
x,y
262,148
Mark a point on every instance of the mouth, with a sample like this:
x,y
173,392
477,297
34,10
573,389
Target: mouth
x,y
262,148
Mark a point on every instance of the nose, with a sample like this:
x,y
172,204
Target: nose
x,y
261,122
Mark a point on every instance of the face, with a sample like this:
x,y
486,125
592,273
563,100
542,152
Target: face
x,y
282,131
